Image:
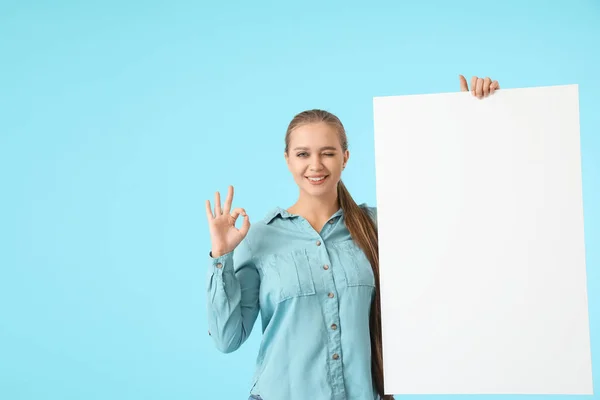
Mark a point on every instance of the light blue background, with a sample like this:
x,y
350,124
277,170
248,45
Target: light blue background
x,y
118,120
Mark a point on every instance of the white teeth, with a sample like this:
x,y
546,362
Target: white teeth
x,y
316,179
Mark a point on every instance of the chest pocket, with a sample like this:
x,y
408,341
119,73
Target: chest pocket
x,y
288,275
355,264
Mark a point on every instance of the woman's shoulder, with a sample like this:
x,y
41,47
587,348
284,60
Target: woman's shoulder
x,y
262,226
272,234
370,209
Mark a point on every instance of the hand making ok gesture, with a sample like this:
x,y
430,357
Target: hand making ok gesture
x,y
224,236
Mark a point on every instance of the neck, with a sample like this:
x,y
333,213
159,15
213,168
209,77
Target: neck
x,y
316,208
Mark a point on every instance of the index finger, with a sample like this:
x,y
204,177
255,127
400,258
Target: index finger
x,y
473,84
228,200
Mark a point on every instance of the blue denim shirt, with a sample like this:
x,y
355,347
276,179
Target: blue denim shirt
x,y
314,291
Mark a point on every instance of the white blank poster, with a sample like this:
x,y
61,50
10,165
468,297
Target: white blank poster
x,y
482,253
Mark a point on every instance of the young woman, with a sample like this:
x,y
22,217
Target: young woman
x,y
311,270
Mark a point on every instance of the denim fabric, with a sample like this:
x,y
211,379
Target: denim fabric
x,y
313,290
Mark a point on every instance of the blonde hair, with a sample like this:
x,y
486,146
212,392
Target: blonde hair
x,y
363,231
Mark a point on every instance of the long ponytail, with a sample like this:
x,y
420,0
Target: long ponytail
x,y
364,232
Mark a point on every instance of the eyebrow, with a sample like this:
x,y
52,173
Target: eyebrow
x,y
322,148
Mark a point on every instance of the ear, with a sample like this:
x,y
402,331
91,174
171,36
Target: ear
x,y
346,158
287,159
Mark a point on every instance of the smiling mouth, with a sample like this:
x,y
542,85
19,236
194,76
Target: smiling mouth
x,y
316,180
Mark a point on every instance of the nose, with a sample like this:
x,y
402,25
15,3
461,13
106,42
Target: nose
x,y
316,164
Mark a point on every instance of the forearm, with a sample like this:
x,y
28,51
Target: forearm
x,y
230,321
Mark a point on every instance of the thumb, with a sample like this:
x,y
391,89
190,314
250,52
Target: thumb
x,y
236,213
464,87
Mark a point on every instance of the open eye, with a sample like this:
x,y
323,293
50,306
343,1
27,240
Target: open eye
x,y
302,154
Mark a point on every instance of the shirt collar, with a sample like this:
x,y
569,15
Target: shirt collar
x,y
283,213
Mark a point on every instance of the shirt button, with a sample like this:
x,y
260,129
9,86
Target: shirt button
x,y
333,326
325,267
335,356
330,295
331,221
318,243
219,265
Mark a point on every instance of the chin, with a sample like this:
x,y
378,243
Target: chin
x,y
318,191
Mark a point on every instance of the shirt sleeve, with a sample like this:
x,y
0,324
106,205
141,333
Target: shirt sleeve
x,y
232,297
371,211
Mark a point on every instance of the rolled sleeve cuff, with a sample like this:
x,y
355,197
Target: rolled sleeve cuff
x,y
221,264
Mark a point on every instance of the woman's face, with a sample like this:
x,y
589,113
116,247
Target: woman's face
x,y
315,158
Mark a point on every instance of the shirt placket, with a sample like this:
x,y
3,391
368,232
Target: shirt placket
x,y
330,306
